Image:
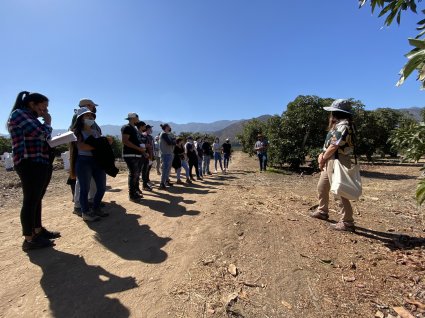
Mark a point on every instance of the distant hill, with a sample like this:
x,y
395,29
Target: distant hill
x,y
234,129
415,112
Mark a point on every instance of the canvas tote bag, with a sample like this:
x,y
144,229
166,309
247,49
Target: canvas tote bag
x,y
346,182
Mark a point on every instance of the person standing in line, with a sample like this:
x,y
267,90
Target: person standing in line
x,y
88,103
157,156
200,153
180,161
132,154
166,147
32,163
227,152
150,147
144,161
217,154
261,148
339,145
206,148
86,166
192,157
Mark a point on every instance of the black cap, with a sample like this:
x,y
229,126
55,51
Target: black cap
x,y
140,124
148,126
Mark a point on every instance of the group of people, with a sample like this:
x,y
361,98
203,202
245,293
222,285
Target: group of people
x,y
92,158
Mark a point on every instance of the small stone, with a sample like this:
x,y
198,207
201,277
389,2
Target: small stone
x,y
233,270
379,314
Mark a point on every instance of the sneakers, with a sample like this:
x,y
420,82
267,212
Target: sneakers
x,y
199,178
162,186
49,235
135,197
179,182
37,242
77,211
344,226
321,215
147,187
90,217
169,184
188,181
100,212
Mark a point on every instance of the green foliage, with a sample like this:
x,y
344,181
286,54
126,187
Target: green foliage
x,y
249,134
196,135
116,146
420,192
416,57
410,141
5,145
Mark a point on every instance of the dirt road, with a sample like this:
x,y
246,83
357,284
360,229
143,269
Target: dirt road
x,y
169,256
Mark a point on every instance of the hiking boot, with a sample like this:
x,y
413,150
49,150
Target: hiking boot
x,y
179,182
37,242
77,211
343,226
321,215
90,217
99,212
49,235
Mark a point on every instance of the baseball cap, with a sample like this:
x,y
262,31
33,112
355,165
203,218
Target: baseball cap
x,y
140,124
132,115
148,126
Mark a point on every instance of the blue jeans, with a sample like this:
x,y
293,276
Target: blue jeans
x,y
206,164
217,157
262,158
167,161
87,168
134,168
200,166
186,169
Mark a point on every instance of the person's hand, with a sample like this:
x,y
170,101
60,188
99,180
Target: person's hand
x,y
46,117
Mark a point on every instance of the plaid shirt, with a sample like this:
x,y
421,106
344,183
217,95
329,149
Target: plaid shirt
x,y
29,137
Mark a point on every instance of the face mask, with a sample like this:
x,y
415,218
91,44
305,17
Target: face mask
x,y
89,122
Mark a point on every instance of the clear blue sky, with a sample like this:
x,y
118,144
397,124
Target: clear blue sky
x,y
193,60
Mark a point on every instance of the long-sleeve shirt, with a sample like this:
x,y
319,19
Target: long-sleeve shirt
x,y
29,137
166,144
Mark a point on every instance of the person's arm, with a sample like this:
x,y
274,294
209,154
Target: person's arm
x,y
168,139
325,156
126,141
32,126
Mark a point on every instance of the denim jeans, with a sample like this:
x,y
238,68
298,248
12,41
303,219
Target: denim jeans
x,y
206,164
167,160
92,192
35,178
134,166
186,169
87,168
262,158
200,166
226,159
217,157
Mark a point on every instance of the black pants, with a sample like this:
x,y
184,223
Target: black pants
x,y
35,177
134,166
193,162
144,170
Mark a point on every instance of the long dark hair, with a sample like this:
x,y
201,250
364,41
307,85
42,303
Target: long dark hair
x,y
78,126
336,117
24,98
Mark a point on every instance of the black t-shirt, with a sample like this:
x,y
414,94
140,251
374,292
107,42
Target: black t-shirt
x,y
134,139
206,147
227,148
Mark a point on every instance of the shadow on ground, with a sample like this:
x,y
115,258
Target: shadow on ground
x,y
122,234
76,289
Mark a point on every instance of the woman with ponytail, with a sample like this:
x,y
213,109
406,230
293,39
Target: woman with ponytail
x,y
31,157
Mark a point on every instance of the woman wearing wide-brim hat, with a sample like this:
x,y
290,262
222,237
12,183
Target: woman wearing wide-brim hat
x,y
339,144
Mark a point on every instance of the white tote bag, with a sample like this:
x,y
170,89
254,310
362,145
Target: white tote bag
x,y
346,182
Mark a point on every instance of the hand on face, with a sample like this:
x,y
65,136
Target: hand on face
x,y
42,111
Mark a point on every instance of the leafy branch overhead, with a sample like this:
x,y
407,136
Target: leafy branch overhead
x,y
416,57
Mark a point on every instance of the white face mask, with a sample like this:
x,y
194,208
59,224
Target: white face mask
x,y
89,122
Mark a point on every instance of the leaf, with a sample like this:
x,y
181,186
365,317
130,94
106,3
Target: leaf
x,y
418,43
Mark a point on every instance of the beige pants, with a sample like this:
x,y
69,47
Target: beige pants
x,y
324,186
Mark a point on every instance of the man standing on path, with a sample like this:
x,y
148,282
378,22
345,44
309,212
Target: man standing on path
x,y
207,150
261,148
227,151
132,154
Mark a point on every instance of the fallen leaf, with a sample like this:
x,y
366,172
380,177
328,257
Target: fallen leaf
x,y
403,312
286,304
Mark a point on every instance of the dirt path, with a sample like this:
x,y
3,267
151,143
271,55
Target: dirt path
x,y
169,256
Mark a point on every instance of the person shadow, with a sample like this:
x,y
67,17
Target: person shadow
x,y
122,234
170,205
77,289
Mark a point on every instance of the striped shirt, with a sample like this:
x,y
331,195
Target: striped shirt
x,y
29,137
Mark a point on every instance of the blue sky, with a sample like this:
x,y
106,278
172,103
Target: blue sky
x,y
199,60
